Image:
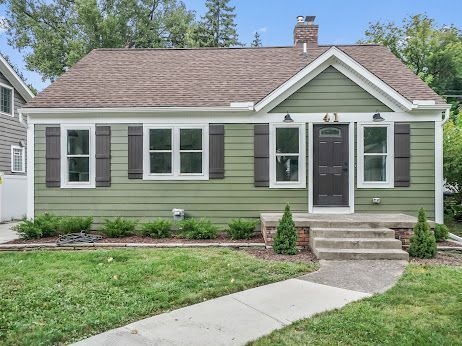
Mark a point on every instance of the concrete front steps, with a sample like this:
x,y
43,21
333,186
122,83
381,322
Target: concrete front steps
x,y
334,243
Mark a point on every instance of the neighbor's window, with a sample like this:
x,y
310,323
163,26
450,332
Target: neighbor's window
x,y
375,162
287,157
78,156
18,162
6,99
176,153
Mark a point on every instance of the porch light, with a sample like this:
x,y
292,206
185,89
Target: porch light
x,y
377,117
288,119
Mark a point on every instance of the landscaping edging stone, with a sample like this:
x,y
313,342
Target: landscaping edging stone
x,y
85,246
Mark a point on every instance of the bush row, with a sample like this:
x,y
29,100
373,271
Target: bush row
x,y
47,225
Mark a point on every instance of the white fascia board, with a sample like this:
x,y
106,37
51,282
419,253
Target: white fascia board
x,y
15,80
334,52
124,110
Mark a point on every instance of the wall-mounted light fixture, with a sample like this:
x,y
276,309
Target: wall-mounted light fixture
x,y
288,119
377,117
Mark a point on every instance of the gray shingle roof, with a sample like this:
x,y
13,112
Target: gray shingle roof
x,y
205,77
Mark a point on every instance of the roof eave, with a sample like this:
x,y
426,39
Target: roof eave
x,y
15,80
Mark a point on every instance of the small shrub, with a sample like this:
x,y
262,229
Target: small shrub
x,y
74,224
285,240
198,229
423,243
119,227
242,229
441,232
44,225
159,228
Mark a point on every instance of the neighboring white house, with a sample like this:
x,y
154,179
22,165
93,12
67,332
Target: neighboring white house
x,y
14,93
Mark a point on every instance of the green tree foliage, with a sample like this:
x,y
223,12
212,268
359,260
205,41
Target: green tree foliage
x,y
433,53
217,28
285,240
452,165
423,243
57,33
256,40
441,232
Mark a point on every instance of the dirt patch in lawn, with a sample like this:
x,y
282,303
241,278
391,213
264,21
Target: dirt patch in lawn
x,y
221,238
304,256
449,258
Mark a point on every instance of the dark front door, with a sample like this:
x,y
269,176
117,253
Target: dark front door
x,y
330,165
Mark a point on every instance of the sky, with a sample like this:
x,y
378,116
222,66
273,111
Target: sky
x,y
340,21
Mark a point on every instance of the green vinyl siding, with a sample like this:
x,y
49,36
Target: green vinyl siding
x,y
330,91
421,192
220,199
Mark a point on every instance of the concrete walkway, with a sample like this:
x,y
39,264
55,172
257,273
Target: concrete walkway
x,y
238,318
6,233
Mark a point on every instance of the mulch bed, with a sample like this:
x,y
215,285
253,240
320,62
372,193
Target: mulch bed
x,y
221,238
449,258
449,243
305,256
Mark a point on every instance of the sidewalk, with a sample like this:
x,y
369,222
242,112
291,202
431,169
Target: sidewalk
x,y
238,318
6,234
234,319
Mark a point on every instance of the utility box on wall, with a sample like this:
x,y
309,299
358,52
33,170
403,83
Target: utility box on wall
x,y
13,197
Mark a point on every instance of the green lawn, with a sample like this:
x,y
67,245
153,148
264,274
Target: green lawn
x,y
51,297
424,308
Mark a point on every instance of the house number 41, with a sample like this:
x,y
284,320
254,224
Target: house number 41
x,y
327,118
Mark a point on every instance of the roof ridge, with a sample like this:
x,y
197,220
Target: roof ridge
x,y
230,48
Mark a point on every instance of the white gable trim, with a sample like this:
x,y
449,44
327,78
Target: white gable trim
x,y
349,67
15,80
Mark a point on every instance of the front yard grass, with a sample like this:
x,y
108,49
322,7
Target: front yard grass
x,y
424,308
57,297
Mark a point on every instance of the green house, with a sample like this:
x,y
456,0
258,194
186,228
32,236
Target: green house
x,y
236,132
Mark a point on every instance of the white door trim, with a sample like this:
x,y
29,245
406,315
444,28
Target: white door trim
x,y
351,173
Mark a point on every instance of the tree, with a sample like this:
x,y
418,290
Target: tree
x,y
217,28
433,53
423,243
57,33
256,40
285,240
452,153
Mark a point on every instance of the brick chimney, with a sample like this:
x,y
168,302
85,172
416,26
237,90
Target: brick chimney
x,y
306,31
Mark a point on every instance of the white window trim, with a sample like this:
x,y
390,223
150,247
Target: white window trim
x,y
301,183
23,153
65,183
12,99
390,182
176,175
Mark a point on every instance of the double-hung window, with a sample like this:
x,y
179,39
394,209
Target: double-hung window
x,y
375,155
287,156
78,156
6,99
175,152
18,162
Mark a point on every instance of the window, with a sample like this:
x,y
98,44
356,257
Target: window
x,y
287,156
78,156
18,162
375,156
6,99
175,152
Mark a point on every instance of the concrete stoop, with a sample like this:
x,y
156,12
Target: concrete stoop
x,y
356,244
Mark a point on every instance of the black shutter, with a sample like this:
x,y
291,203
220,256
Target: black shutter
x,y
216,151
135,152
261,154
53,156
402,155
103,155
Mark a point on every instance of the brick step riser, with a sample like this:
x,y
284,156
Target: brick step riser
x,y
353,234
